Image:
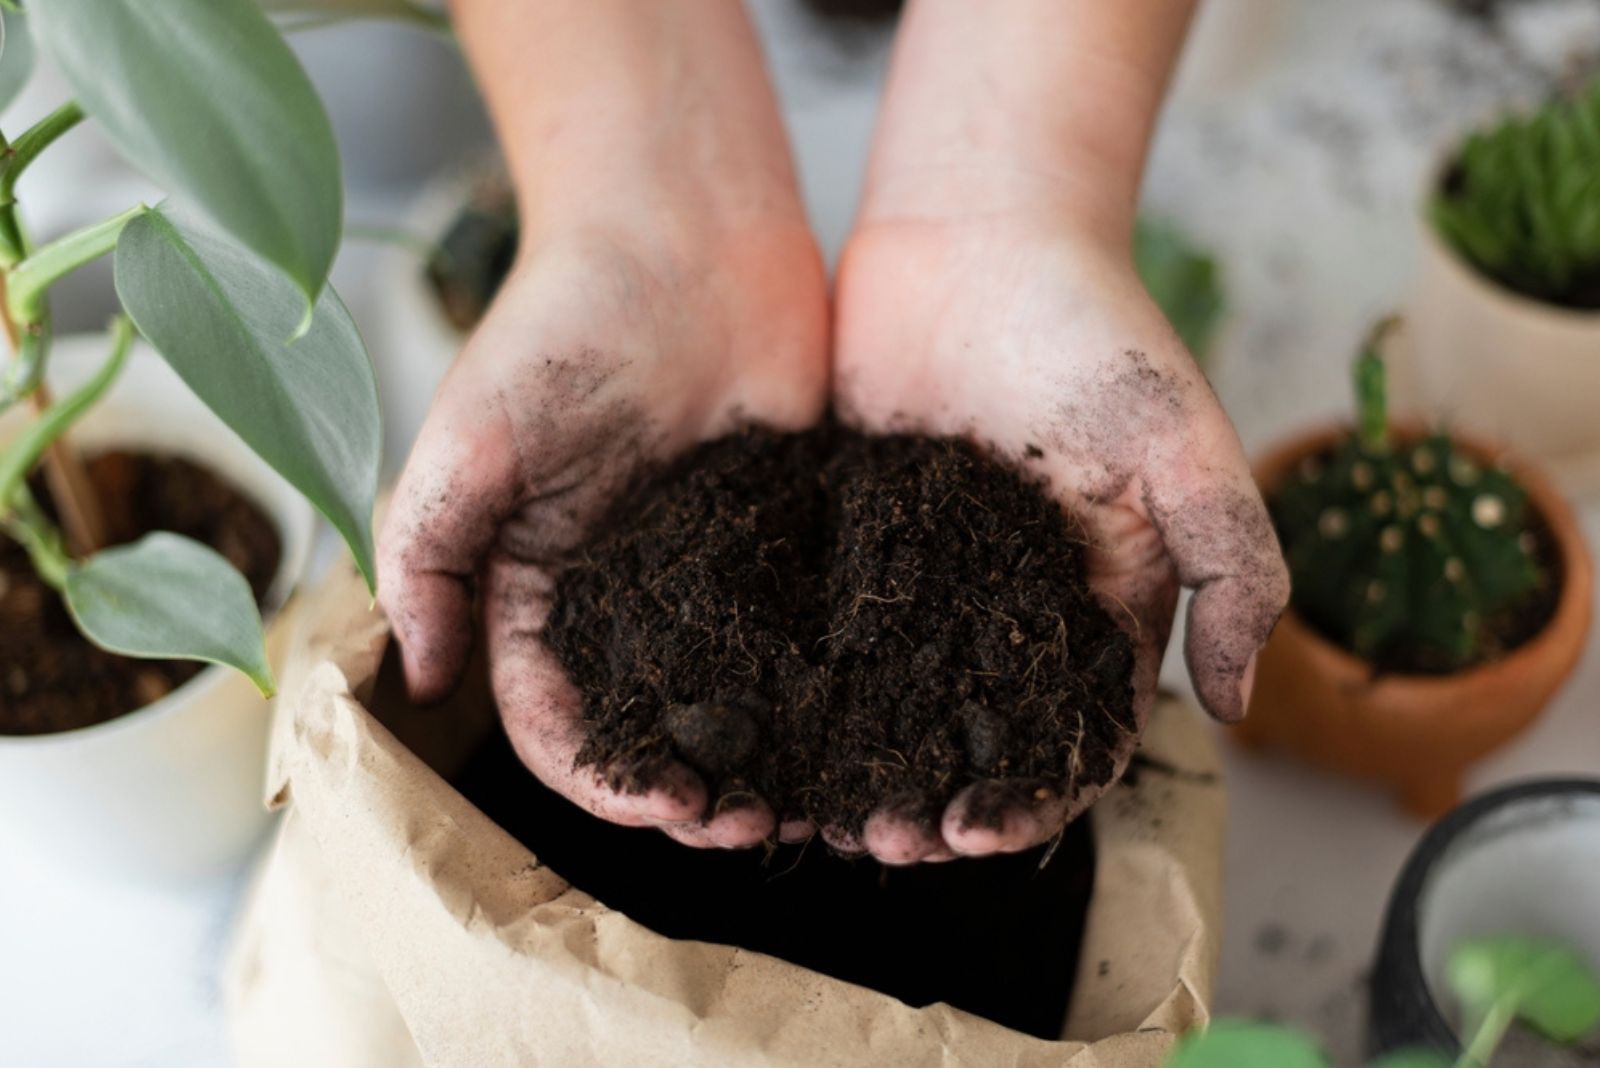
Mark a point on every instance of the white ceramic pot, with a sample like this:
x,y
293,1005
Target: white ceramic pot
x,y
400,98
172,790
1505,366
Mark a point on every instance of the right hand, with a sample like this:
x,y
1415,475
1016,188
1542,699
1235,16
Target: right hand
x,y
607,352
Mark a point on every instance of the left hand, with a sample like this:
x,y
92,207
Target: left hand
x,y
1014,330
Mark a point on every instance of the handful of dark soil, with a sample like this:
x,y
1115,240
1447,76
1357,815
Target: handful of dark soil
x,y
835,622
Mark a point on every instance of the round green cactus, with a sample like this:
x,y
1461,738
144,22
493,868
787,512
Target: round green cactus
x,y
1412,553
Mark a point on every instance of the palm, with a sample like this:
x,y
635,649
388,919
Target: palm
x,y
1029,342
596,363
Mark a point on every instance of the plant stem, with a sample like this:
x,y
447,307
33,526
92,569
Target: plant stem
x,y
27,524
1372,390
34,276
22,377
17,460
69,483
14,159
1488,1035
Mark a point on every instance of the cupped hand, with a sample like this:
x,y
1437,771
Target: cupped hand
x,y
607,352
1041,342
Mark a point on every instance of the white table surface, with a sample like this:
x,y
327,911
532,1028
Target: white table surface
x,y
1303,176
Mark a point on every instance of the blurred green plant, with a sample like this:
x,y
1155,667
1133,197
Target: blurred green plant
x,y
1521,202
1183,280
1412,553
227,280
1498,981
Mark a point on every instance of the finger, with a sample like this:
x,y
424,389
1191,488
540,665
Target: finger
x,y
457,488
843,841
1215,527
747,823
904,832
543,717
692,835
1002,816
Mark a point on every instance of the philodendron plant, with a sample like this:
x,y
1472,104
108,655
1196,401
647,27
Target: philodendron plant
x,y
227,279
1498,981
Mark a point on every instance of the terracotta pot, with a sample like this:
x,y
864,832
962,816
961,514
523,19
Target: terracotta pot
x,y
1416,734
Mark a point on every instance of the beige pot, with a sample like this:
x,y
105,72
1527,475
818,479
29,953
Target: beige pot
x,y
171,790
1504,366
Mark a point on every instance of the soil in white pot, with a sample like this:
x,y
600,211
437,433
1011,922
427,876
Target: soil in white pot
x,y
53,679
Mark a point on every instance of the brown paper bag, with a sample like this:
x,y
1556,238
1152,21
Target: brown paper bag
x,y
393,924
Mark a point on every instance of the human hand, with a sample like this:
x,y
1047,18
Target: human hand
x,y
606,353
1013,329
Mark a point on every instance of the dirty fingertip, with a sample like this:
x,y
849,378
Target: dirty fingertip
x,y
991,817
842,841
791,832
678,797
901,835
741,824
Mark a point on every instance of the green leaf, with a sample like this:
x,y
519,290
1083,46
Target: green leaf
x,y
170,598
221,316
1184,282
1413,1058
16,58
1545,984
1236,1044
206,97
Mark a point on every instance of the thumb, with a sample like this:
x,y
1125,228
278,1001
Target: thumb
x,y
457,488
1215,527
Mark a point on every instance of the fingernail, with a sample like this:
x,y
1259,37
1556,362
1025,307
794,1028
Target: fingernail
x,y
1247,685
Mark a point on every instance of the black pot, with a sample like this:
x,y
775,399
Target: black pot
x,y
1522,860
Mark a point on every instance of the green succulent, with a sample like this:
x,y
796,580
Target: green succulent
x,y
1522,201
1412,553
1183,280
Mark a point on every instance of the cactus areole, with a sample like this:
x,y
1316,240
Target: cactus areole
x,y
1409,550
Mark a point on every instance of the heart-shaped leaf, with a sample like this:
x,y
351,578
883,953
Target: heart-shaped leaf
x,y
207,98
169,598
221,317
1236,1044
1543,983
16,57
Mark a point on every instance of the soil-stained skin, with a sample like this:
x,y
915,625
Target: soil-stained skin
x,y
1136,439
